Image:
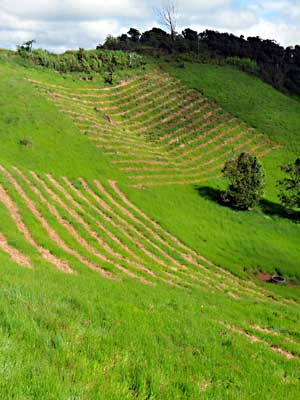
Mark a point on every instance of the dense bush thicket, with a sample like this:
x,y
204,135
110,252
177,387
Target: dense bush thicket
x,y
86,61
277,65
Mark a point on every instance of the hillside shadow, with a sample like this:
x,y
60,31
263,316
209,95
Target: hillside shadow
x,y
274,209
266,206
209,193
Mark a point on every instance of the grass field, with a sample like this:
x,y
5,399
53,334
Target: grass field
x,y
121,275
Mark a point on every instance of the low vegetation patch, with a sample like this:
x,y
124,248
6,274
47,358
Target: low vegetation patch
x,y
83,61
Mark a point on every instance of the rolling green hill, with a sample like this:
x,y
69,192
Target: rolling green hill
x,y
121,275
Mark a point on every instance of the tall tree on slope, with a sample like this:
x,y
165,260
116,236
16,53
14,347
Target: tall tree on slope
x,y
167,15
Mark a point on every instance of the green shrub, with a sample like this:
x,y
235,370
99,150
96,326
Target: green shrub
x,y
290,186
246,178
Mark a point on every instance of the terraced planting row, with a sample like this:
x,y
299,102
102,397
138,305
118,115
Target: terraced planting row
x,y
158,131
96,226
274,340
75,225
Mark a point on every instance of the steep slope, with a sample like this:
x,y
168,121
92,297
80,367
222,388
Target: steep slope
x,y
107,291
159,132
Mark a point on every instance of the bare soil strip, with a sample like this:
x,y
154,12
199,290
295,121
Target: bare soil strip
x,y
197,148
187,253
107,94
77,205
170,113
51,232
135,97
190,124
134,233
125,211
184,170
175,117
169,95
200,137
199,131
274,333
256,339
224,143
15,254
50,85
70,228
92,233
200,173
103,104
16,216
117,145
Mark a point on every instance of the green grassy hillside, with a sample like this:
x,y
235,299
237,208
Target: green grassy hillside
x,y
121,276
247,97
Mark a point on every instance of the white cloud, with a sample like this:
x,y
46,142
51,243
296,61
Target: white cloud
x,y
281,32
62,24
73,9
197,6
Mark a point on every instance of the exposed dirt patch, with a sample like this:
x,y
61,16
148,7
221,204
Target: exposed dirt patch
x,y
264,277
15,254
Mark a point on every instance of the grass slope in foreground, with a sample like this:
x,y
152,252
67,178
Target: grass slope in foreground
x,y
191,331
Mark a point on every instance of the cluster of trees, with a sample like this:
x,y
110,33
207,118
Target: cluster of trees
x,y
277,65
247,181
81,60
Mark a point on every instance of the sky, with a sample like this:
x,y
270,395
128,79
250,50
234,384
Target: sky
x,y
58,25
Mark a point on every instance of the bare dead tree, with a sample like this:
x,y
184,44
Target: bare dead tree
x,y
167,15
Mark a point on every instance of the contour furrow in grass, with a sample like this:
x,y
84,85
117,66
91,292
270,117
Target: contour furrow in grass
x,y
128,231
190,151
107,90
51,232
111,252
154,104
153,232
108,232
182,170
15,254
106,93
271,332
201,135
170,112
16,216
224,143
198,131
192,124
76,97
136,96
183,270
171,120
127,213
186,252
121,227
137,148
256,339
73,231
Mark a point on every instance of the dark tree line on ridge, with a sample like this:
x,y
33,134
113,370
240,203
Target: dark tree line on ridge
x,y
276,65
